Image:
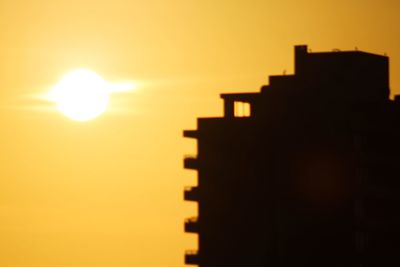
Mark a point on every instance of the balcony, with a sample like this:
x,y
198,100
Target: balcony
x,y
191,193
190,133
190,162
192,225
192,257
238,105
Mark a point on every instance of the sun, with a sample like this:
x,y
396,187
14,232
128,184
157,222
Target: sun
x,y
81,95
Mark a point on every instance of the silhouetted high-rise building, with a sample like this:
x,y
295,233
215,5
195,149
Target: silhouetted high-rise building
x,y
303,173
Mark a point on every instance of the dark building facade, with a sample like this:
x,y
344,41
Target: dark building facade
x,y
303,173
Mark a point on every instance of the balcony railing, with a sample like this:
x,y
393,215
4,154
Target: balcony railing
x,y
190,162
191,193
192,225
192,257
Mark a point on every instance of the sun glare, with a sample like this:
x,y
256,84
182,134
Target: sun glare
x,y
81,95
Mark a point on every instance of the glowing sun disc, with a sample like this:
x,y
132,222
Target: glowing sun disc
x,y
81,95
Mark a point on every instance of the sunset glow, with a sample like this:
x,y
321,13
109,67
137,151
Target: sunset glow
x,y
81,95
92,172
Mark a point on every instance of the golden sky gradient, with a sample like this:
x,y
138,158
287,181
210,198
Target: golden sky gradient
x,y
109,192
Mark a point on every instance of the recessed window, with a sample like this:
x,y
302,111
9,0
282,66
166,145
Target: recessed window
x,y
242,109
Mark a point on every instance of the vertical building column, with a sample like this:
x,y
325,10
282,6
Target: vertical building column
x,y
228,108
300,53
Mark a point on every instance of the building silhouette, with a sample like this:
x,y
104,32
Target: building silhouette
x,y
303,173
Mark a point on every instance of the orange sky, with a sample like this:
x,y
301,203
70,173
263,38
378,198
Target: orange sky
x,y
109,192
